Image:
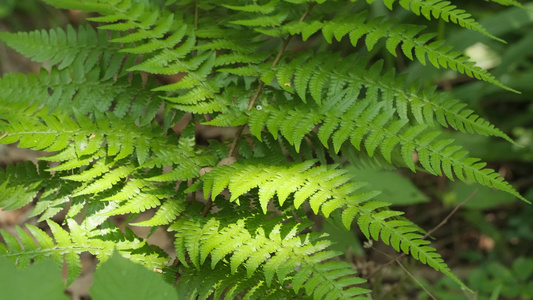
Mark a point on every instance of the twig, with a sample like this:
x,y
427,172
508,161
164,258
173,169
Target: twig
x,y
445,220
207,207
406,271
416,280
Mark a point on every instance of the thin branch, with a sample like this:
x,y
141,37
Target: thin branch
x,y
416,280
207,207
195,14
406,271
445,220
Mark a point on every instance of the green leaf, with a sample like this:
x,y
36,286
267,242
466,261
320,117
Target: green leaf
x,y
120,278
394,188
44,277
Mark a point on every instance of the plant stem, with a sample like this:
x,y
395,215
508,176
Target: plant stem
x,y
253,100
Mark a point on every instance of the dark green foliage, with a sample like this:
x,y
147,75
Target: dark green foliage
x,y
108,129
493,281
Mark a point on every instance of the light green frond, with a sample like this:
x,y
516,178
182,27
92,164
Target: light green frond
x,y
255,7
42,131
166,213
260,244
367,123
401,234
98,6
106,181
319,185
37,245
507,2
99,173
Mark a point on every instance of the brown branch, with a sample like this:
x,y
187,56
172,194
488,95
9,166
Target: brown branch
x,y
416,280
232,153
407,272
207,207
445,220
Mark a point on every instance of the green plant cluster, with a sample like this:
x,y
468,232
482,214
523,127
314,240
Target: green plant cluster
x,y
493,281
239,209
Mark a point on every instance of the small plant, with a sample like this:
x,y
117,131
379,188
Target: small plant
x,y
239,207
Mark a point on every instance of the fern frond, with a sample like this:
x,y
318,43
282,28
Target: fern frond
x,y
81,48
117,148
41,131
444,10
101,7
278,250
326,191
367,121
20,184
107,174
37,245
166,213
408,37
204,282
166,43
318,185
148,28
401,234
316,77
73,89
255,7
507,2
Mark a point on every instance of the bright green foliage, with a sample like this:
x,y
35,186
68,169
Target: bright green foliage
x,y
326,190
275,246
37,245
369,123
109,127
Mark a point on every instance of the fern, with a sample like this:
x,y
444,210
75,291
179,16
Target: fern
x,y
406,36
106,113
326,190
63,48
367,123
443,10
257,242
